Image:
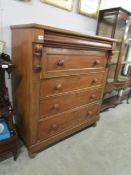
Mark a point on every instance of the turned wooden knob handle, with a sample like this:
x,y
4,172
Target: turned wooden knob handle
x,y
56,106
89,113
94,81
60,62
97,62
54,126
58,87
93,96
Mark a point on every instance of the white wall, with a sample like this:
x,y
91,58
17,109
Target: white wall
x,y
17,12
126,4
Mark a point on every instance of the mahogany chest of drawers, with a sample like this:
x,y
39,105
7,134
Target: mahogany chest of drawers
x,y
58,82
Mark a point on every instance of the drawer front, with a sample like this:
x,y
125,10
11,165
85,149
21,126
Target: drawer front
x,y
69,83
66,59
57,104
63,122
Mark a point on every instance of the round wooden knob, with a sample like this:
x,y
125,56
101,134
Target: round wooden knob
x,y
54,126
56,106
94,81
60,62
93,96
89,113
97,61
58,87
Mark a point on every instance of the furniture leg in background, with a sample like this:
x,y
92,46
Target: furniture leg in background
x,y
8,135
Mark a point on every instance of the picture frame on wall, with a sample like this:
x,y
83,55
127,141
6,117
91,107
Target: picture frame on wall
x,y
64,4
89,7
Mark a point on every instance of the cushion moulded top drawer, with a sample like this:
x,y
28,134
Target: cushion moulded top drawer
x,y
55,59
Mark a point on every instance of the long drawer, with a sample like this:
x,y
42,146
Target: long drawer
x,y
51,126
69,83
56,59
57,104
